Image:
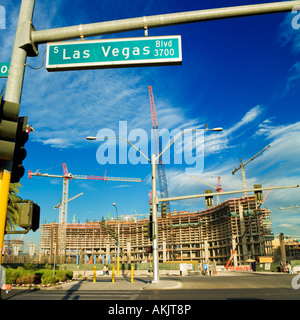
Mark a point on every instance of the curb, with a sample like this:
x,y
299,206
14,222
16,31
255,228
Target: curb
x,y
163,285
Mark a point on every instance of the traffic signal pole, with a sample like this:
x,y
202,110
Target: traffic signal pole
x,y
13,94
155,223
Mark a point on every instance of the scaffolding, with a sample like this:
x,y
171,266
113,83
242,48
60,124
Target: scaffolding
x,y
183,236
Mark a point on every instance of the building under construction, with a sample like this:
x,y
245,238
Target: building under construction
x,y
212,234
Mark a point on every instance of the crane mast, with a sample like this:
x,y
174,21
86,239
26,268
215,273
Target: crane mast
x,y
242,167
161,173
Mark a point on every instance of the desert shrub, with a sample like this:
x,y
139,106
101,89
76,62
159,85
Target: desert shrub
x,y
49,279
64,275
26,278
12,275
21,276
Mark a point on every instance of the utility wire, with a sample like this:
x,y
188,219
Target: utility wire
x,y
40,66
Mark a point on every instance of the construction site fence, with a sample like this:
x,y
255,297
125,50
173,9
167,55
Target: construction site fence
x,y
100,266
190,266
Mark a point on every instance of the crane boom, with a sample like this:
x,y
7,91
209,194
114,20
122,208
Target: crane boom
x,y
291,207
205,182
217,189
78,195
252,158
242,167
82,177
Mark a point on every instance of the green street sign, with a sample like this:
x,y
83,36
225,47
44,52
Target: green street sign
x,y
4,67
113,53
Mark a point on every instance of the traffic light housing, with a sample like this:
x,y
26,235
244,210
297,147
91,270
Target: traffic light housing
x,y
149,249
209,200
147,229
151,215
281,236
163,210
19,152
102,223
258,194
29,215
9,112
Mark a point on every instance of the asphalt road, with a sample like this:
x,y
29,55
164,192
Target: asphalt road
x,y
227,286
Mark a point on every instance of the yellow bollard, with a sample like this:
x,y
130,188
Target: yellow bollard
x,y
132,268
113,274
94,278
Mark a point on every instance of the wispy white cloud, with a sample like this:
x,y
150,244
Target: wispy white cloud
x,y
285,145
56,142
90,101
123,186
289,36
250,116
219,141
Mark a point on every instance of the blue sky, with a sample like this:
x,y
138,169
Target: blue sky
x,y
241,74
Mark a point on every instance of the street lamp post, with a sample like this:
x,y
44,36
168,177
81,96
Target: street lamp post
x,y
155,199
118,242
154,219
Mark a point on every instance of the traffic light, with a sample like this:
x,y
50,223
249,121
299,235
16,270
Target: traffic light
x,y
147,229
29,215
103,223
209,200
151,215
281,236
163,210
149,249
20,152
258,194
263,235
9,112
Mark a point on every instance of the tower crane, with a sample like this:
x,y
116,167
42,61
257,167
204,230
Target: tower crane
x,y
64,204
162,180
242,167
217,189
67,177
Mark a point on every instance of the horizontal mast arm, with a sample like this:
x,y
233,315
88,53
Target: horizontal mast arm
x,y
224,193
123,25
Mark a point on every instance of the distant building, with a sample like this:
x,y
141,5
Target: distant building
x,y
292,248
211,234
